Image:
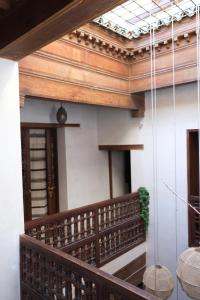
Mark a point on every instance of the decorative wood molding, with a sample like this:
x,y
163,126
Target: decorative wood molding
x,y
98,44
72,82
40,87
80,66
92,41
164,46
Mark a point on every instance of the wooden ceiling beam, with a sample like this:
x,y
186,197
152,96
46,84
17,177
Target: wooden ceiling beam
x,y
35,23
4,4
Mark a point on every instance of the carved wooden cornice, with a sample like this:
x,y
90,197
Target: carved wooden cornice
x,y
98,44
164,46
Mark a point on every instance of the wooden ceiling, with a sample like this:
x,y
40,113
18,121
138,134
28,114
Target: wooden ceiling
x,y
28,25
4,6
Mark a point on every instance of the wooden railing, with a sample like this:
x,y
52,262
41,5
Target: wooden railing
x,y
95,233
48,273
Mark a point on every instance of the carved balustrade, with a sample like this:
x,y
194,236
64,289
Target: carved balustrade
x,y
95,233
48,273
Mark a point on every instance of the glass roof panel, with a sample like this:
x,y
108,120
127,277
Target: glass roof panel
x,y
135,17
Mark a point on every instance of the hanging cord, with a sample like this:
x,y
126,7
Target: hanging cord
x,y
179,197
153,142
154,139
155,149
152,123
175,158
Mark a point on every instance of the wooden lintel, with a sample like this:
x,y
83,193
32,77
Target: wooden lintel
x,y
121,147
48,125
36,23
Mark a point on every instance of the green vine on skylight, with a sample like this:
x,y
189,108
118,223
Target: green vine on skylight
x,y
144,205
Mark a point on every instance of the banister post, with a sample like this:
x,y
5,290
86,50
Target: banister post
x,y
96,230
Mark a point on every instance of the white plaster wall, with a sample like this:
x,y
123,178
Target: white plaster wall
x,y
88,180
11,211
116,126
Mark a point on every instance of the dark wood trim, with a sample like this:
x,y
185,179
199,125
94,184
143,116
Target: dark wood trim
x,y
110,173
121,147
36,23
48,125
25,145
188,182
193,236
51,169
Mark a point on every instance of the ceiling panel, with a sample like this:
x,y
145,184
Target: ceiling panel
x,y
136,17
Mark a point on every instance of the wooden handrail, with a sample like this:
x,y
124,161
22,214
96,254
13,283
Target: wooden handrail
x,y
96,233
48,273
79,210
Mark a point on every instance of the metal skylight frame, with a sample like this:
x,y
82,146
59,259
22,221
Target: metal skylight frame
x,y
135,17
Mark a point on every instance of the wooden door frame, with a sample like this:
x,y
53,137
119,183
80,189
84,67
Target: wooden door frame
x,y
28,213
190,212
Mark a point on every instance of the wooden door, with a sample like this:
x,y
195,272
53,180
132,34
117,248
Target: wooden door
x,y
39,167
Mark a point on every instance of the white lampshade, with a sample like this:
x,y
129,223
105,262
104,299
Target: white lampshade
x,y
188,272
158,281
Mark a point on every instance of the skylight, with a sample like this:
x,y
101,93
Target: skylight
x,y
135,17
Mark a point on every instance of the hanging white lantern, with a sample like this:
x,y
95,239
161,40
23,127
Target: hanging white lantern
x,y
158,281
188,272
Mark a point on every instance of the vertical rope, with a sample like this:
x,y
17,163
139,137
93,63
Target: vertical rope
x,y
152,44
175,153
152,123
155,149
154,139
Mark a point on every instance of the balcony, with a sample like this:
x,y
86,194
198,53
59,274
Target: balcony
x,y
61,254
